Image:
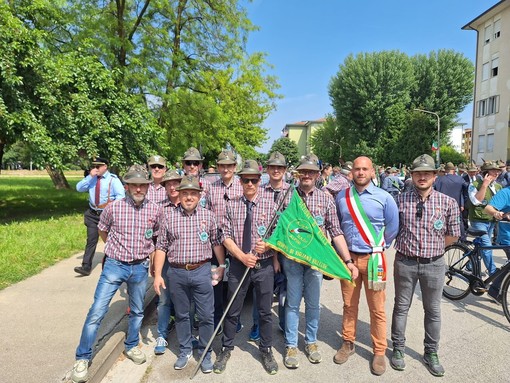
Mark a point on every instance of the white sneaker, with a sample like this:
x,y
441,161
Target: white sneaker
x,y
80,371
136,355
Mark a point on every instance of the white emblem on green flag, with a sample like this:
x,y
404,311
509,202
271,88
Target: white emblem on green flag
x,y
298,237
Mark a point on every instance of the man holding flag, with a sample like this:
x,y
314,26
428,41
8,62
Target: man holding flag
x,y
298,236
369,219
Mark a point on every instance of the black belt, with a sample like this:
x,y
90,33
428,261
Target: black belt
x,y
419,259
188,266
96,212
131,263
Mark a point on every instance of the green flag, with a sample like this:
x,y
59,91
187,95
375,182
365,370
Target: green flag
x,y
298,237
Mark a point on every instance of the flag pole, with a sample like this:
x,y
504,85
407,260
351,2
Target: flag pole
x,y
225,312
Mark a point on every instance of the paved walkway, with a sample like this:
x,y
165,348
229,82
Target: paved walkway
x,y
474,347
41,320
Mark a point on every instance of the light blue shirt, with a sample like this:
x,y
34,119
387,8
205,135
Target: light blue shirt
x,y
89,184
380,208
501,202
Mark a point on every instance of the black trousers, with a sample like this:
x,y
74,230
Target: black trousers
x,y
91,220
263,282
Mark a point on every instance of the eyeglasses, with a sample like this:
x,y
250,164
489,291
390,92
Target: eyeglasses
x,y
246,181
191,163
157,166
419,209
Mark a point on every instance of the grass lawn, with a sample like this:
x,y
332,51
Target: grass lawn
x,y
39,225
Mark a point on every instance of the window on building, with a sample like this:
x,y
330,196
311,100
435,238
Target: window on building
x,y
481,144
490,143
485,71
497,29
493,105
494,67
487,106
487,34
480,110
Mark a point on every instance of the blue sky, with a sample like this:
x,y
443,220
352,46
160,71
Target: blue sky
x,y
307,40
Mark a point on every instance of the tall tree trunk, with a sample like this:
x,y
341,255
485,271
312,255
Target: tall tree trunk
x,y
58,178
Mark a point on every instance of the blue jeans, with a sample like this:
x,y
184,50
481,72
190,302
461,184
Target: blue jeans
x,y
407,273
165,306
302,281
486,241
113,275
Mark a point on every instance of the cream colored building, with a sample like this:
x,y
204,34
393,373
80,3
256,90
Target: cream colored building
x,y
300,132
491,111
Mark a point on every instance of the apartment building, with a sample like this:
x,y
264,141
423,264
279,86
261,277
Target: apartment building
x,y
490,138
300,132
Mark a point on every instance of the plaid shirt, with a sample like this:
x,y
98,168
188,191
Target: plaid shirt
x,y
233,224
130,229
424,237
267,191
188,238
339,183
156,194
218,194
323,209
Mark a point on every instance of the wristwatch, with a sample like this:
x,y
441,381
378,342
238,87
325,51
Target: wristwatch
x,y
349,261
224,266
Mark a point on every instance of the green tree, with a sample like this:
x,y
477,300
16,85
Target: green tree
x,y
65,106
449,154
326,141
288,148
374,93
189,58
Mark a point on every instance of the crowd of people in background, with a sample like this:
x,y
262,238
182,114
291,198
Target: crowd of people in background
x,y
185,229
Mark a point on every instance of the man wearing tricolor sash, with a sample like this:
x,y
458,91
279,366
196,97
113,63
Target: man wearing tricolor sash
x,y
368,217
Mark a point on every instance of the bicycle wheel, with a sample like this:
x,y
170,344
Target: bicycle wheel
x,y
456,286
505,297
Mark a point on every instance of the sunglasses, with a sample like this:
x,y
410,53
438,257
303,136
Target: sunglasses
x,y
97,166
308,172
156,166
246,181
191,163
419,209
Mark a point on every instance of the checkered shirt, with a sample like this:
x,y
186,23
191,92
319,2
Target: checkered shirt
x,y
233,224
218,194
425,236
267,191
188,238
156,194
130,229
339,183
323,209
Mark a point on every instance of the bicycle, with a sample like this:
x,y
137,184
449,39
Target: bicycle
x,y
463,271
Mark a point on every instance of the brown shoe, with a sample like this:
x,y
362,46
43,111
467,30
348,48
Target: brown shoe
x,y
344,353
378,365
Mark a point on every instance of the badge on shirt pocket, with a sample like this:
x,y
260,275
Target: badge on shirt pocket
x,y
148,233
203,237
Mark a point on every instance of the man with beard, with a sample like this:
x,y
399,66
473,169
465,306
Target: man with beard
x,y
302,280
368,217
127,226
429,221
188,236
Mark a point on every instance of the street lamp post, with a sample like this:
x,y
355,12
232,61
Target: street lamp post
x,y
438,156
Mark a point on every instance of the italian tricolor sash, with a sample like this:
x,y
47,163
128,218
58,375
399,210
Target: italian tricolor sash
x,y
377,260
